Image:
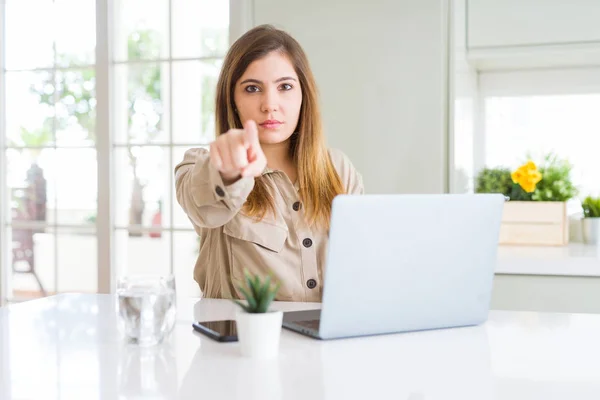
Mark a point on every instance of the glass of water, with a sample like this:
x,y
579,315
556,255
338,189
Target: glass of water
x,y
146,308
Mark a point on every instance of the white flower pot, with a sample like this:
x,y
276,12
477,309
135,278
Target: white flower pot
x,y
258,334
591,231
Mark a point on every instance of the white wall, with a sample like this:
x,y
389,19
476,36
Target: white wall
x,y
517,34
381,67
511,23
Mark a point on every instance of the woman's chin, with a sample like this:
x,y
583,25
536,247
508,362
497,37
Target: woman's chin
x,y
273,137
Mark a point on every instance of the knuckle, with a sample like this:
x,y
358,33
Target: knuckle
x,y
239,162
219,143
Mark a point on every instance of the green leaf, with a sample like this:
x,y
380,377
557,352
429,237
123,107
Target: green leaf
x,y
268,297
251,300
259,294
263,301
265,287
244,306
591,207
556,183
494,180
256,287
249,281
266,301
247,277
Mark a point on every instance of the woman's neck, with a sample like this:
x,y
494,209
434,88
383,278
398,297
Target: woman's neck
x,y
278,158
277,154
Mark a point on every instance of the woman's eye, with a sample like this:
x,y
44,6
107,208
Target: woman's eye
x,y
286,86
252,89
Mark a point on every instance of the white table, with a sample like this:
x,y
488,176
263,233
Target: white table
x,y
67,347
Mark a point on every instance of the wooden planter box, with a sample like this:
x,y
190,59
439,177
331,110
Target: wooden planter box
x,y
543,223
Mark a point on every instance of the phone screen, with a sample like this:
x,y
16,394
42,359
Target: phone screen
x,y
221,328
223,331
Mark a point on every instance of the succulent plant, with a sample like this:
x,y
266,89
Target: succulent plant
x,y
258,293
591,207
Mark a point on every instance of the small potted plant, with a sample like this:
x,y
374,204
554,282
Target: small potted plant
x,y
494,180
591,220
258,327
536,213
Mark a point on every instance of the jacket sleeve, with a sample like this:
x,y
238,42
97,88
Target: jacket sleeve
x,y
351,178
354,183
203,195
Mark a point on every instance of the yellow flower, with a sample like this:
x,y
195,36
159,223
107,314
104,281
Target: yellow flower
x,y
527,176
530,165
528,186
517,176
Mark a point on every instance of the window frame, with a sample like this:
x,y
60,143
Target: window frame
x,y
240,20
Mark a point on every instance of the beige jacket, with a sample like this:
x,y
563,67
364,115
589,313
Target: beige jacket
x,y
231,241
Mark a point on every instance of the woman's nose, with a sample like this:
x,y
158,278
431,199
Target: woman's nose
x,y
269,103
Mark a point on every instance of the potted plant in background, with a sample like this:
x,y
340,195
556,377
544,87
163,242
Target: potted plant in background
x,y
258,327
494,180
536,210
591,220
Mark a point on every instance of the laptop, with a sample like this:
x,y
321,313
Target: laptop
x,y
401,263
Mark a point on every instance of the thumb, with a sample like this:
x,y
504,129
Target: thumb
x,y
251,133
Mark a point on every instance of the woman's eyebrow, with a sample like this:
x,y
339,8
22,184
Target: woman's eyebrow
x,y
284,78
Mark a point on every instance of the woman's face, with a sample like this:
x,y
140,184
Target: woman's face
x,y
269,93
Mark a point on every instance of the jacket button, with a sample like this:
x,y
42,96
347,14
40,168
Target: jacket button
x,y
220,191
297,205
311,283
307,242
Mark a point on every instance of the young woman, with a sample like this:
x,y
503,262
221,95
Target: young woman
x,y
261,197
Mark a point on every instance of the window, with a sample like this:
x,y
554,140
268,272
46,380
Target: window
x,y
48,191
539,112
166,57
164,91
568,125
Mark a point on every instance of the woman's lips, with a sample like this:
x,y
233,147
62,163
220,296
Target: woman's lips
x,y
271,124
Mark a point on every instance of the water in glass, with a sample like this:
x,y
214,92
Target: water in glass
x,y
146,308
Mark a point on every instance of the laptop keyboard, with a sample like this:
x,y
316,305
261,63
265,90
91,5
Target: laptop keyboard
x,y
312,324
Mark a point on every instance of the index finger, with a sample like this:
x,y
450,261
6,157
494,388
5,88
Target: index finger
x,y
251,133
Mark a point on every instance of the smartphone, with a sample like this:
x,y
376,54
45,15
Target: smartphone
x,y
221,331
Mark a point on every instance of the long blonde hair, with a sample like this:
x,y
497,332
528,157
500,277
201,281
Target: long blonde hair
x,y
318,180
